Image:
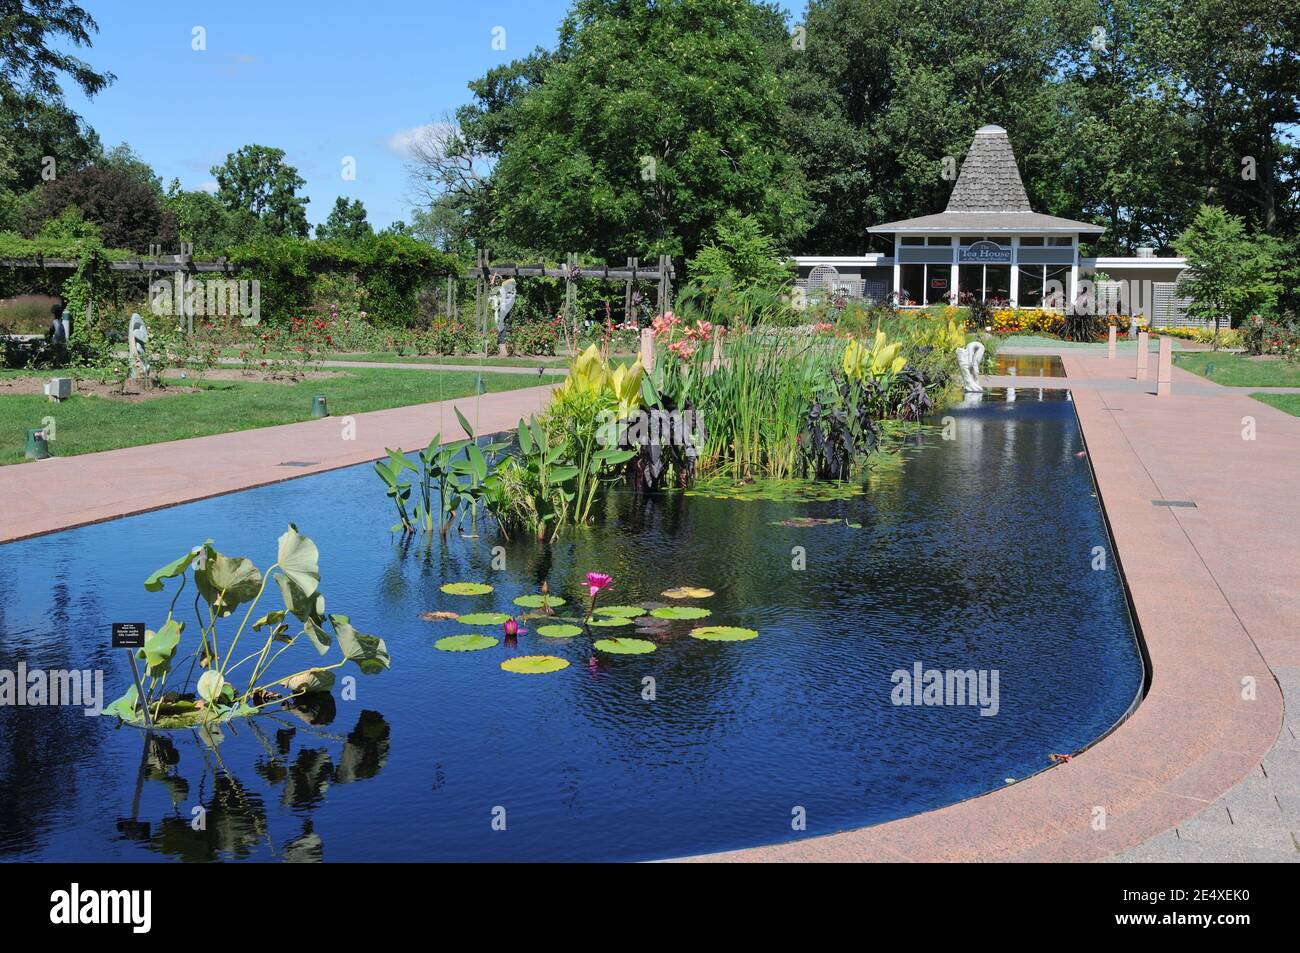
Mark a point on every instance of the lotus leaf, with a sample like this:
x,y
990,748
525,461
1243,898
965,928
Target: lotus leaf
x,y
466,589
484,618
624,646
680,612
535,601
627,612
534,664
469,642
688,592
723,633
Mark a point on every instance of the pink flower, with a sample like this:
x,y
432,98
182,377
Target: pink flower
x,y
597,581
512,628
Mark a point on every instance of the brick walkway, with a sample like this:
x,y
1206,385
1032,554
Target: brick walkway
x,y
63,492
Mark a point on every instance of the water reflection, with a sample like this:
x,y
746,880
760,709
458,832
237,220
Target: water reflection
x,y
227,819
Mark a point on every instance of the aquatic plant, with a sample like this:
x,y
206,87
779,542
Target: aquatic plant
x,y
597,582
451,478
532,491
225,584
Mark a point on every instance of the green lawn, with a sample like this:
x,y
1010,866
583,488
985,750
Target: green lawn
x,y
90,424
468,360
1287,402
1237,370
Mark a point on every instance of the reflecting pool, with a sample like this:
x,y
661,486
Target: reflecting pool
x,y
976,553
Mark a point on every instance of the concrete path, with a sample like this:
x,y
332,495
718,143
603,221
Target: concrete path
x,y
62,492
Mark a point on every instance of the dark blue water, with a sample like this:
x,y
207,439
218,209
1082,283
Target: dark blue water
x,y
975,554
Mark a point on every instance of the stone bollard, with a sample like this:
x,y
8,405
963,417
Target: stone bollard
x,y
647,349
1165,368
1143,338
1110,346
716,361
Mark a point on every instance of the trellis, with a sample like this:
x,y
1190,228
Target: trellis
x,y
571,272
181,265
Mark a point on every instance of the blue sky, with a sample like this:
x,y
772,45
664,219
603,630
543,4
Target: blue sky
x,y
322,80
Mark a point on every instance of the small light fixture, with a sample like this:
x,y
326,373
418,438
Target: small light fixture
x,y
318,406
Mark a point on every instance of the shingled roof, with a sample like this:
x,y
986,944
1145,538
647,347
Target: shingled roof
x,y
988,197
989,180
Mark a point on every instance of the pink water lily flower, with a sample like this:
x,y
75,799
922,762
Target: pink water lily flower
x,y
512,628
597,581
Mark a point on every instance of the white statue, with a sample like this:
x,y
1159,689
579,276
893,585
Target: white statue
x,y
969,359
137,335
503,299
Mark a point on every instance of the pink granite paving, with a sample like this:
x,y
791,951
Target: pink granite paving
x,y
1216,601
63,492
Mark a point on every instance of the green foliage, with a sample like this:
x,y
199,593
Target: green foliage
x,y
1229,273
392,268
740,273
225,585
126,210
637,134
257,180
346,222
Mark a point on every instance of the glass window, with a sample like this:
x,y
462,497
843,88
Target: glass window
x,y
913,240
997,282
1057,292
1061,241
1003,240
937,278
1030,292
970,281
939,240
912,281
968,240
1032,240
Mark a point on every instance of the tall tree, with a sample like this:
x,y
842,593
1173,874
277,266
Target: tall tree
x,y
1229,273
30,63
346,222
256,179
648,123
47,139
125,209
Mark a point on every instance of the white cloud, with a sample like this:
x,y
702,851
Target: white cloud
x,y
405,141
209,186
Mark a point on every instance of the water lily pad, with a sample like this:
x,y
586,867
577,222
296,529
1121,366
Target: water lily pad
x,y
466,589
535,601
610,622
560,631
680,612
805,521
534,664
688,592
627,612
469,642
484,618
624,646
723,633
437,615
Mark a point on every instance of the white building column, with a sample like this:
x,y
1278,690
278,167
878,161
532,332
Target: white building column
x,y
897,267
953,290
1074,275
1015,271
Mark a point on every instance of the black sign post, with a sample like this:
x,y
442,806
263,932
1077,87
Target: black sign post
x,y
130,636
